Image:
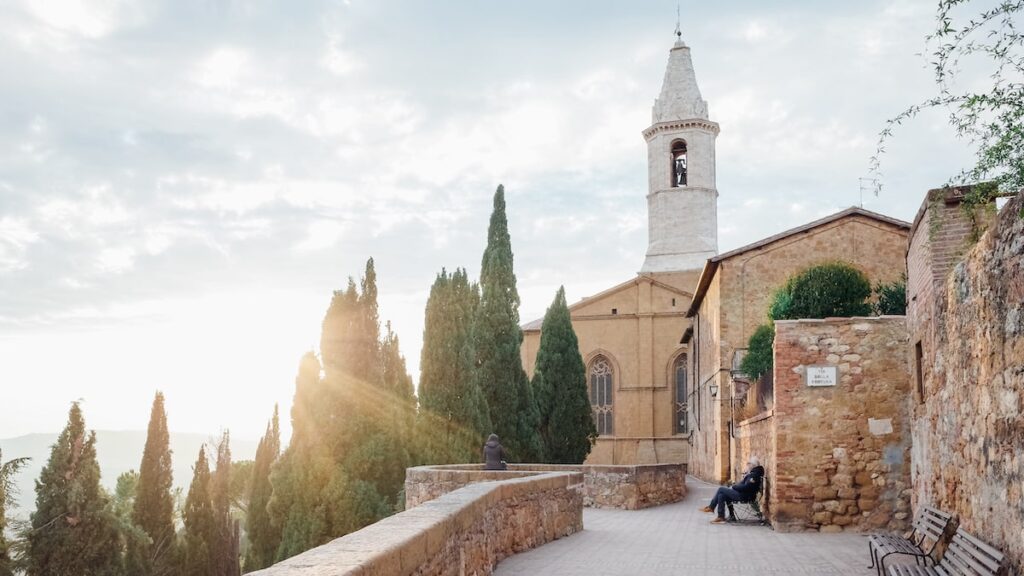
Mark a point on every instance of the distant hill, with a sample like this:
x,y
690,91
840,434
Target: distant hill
x,y
117,451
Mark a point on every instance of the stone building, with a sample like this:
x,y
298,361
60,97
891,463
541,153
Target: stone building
x,y
629,334
731,300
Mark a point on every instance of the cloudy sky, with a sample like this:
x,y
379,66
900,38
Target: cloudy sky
x,y
183,183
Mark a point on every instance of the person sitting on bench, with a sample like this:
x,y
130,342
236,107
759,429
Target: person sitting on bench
x,y
745,491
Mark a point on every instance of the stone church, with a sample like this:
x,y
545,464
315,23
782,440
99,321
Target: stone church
x,y
654,399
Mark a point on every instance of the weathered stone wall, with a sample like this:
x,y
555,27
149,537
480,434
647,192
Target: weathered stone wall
x,y
467,531
755,437
968,455
622,487
842,453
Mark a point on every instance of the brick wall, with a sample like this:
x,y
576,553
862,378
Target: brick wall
x,y
968,432
842,453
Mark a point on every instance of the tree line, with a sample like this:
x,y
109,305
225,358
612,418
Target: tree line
x,y
357,424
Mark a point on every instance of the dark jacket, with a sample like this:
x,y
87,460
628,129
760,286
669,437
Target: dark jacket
x,y
751,483
494,455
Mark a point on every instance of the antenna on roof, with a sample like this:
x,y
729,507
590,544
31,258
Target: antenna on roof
x,y
869,184
679,32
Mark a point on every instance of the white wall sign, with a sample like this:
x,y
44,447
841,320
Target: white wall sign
x,y
822,375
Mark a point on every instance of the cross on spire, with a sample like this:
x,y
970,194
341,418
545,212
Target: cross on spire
x,y
679,32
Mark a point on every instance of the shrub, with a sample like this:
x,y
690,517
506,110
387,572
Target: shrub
x,y
758,360
823,291
892,298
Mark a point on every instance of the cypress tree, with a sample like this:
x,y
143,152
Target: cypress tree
x,y
264,536
345,465
7,489
73,529
200,523
454,415
397,381
153,510
560,384
499,372
223,549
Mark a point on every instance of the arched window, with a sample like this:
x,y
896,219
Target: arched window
x,y
679,163
681,400
602,380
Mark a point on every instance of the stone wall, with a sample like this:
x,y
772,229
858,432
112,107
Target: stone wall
x,y
621,487
842,452
467,531
968,455
755,437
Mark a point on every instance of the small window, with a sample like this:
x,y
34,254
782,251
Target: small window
x,y
679,164
615,311
918,372
673,302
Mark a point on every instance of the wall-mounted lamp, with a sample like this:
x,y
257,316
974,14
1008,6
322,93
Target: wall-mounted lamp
x,y
714,389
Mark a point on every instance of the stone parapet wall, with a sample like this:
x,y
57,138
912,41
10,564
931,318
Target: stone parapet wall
x,y
968,455
621,487
467,531
842,452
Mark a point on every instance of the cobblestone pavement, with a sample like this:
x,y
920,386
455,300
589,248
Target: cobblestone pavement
x,y
677,539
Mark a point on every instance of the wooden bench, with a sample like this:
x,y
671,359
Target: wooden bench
x,y
929,528
966,556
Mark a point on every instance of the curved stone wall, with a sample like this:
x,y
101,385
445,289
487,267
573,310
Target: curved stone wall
x,y
466,531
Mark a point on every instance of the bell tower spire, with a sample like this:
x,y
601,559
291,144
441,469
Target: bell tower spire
x,y
682,200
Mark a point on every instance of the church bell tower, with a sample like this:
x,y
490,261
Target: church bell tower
x,y
682,201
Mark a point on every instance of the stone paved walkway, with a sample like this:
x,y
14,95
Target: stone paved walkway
x,y
677,540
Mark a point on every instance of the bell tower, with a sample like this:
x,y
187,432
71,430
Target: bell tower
x,y
682,201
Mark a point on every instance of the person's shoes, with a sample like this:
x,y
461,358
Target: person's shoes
x,y
707,509
733,519
718,520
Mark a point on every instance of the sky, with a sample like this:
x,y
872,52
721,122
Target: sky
x,y
183,183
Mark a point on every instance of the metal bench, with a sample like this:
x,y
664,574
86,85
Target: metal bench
x,y
966,556
749,510
930,527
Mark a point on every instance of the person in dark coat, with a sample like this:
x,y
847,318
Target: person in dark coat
x,y
744,491
494,454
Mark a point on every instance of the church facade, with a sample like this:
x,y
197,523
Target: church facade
x,y
660,348
637,369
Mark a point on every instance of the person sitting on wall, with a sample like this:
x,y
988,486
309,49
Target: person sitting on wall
x,y
745,491
494,454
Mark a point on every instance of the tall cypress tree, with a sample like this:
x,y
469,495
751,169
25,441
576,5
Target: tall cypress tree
x,y
264,536
153,510
498,338
73,529
453,411
200,523
345,465
223,547
7,488
560,384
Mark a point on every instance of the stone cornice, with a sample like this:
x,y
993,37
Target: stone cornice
x,y
677,125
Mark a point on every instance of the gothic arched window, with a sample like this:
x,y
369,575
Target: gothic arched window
x,y
602,380
678,163
681,391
